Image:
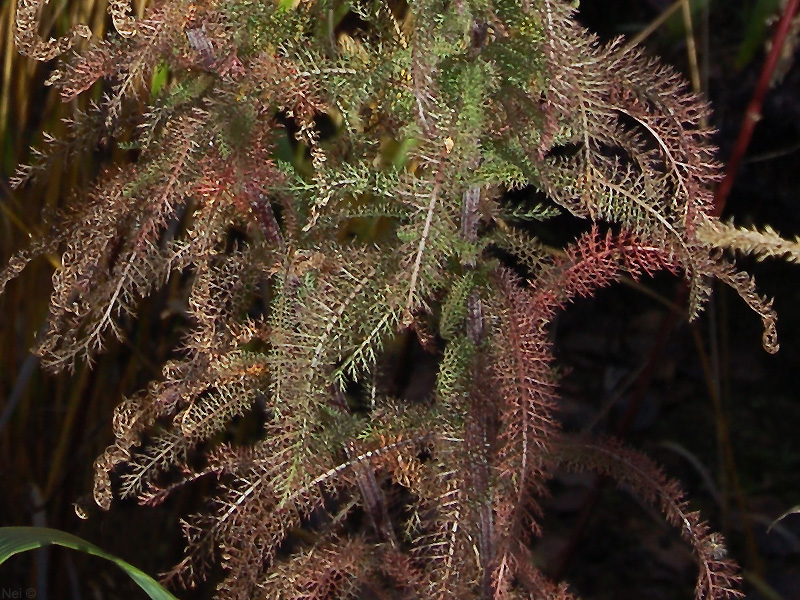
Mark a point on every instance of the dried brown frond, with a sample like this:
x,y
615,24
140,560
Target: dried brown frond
x,y
27,38
79,74
124,23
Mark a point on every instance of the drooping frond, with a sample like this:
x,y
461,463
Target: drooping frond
x,y
635,472
113,254
595,261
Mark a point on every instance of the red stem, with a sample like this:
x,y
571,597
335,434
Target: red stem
x,y
753,113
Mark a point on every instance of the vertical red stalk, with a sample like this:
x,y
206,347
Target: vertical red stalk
x,y
753,113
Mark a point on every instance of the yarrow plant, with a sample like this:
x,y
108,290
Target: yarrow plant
x,y
330,174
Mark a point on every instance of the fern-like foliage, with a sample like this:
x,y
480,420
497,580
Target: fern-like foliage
x,y
397,221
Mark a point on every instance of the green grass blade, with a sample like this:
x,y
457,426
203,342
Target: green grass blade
x,y
14,540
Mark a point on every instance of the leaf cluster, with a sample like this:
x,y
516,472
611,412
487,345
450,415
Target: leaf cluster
x,y
331,175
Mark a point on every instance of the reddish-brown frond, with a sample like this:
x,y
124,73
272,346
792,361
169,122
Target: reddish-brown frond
x,y
520,369
132,418
85,130
20,260
135,58
595,261
275,79
79,74
636,472
250,517
640,152
333,571
114,254
124,23
342,569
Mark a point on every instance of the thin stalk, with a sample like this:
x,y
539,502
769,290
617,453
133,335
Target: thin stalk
x,y
753,113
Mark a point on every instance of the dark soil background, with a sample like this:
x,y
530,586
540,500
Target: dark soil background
x,y
719,413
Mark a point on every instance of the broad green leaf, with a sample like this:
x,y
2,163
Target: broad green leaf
x,y
14,540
